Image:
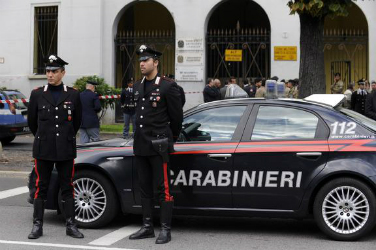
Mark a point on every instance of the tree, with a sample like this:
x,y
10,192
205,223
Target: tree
x,y
312,14
101,89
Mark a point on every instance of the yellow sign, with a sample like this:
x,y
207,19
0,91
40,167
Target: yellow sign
x,y
285,53
233,55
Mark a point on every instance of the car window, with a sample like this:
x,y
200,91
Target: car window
x,y
216,124
283,123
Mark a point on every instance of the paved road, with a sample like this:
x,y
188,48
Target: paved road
x,y
188,232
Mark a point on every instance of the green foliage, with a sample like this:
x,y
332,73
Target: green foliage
x,y
101,89
320,8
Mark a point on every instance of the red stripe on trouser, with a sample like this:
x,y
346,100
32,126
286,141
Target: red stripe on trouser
x,y
72,179
37,181
168,197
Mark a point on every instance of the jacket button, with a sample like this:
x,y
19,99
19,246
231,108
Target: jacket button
x,y
143,99
142,108
57,134
56,117
141,117
141,126
57,125
56,108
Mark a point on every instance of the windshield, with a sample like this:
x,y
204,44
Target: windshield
x,y
17,96
358,117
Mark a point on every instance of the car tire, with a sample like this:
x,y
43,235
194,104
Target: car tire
x,y
8,139
96,202
344,209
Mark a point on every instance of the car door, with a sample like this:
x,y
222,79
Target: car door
x,y
283,148
202,165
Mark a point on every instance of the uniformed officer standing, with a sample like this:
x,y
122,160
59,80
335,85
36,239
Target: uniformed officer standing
x,y
128,105
89,130
358,98
159,121
54,117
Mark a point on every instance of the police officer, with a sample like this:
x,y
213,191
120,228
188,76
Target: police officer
x,y
128,105
54,117
358,98
89,130
159,120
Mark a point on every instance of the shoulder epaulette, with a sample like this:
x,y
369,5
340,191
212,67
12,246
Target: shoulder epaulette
x,y
167,79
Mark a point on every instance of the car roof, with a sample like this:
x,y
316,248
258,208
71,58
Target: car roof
x,y
305,102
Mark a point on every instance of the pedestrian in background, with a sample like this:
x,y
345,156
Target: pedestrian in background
x,y
250,89
211,92
54,117
129,108
370,109
358,98
260,84
337,86
348,93
91,106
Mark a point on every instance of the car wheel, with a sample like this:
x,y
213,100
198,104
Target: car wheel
x,y
8,139
344,209
96,202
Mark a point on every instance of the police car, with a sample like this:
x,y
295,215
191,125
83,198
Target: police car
x,y
248,157
13,116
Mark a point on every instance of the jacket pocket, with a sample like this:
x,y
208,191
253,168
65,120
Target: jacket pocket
x,y
44,112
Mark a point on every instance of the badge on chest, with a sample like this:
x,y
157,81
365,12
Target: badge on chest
x,y
155,98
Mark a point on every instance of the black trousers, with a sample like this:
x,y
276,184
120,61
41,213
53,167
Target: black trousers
x,y
43,171
153,173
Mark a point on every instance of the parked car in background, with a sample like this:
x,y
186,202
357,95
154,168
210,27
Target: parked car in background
x,y
13,116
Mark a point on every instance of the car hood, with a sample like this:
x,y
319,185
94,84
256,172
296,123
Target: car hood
x,y
117,142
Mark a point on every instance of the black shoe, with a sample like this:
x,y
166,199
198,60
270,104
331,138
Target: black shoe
x,y
166,215
70,223
72,229
164,236
37,230
143,233
147,229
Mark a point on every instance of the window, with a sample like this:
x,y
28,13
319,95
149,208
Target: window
x,y
45,35
281,123
217,124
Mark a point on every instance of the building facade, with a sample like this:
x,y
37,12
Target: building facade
x,y
199,40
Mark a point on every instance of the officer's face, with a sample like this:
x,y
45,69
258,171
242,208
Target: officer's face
x,y
54,77
148,66
373,86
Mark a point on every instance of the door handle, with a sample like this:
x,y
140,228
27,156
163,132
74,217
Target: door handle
x,y
115,158
219,156
309,155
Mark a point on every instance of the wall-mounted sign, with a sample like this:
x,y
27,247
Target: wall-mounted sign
x,y
233,55
189,74
190,58
190,44
285,53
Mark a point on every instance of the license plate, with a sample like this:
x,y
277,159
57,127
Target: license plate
x,y
26,129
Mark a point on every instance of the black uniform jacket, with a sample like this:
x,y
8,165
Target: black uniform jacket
x,y
127,101
90,107
371,105
54,125
159,114
358,102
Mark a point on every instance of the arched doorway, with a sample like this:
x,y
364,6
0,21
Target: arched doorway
x,y
238,41
139,25
346,47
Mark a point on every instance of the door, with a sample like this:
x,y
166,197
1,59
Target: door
x,y
202,166
282,150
